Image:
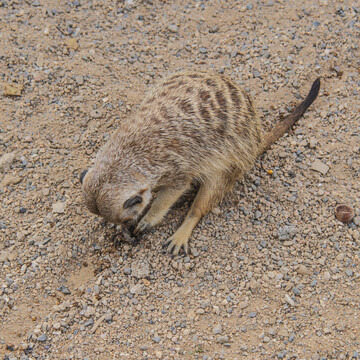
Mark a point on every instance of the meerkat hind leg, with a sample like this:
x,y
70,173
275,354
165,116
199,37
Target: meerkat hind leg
x,y
209,194
166,197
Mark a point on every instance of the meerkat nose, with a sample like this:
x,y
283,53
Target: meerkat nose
x,y
82,175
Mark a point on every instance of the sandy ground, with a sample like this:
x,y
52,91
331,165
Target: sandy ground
x,y
271,274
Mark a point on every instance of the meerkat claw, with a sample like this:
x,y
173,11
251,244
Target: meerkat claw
x,y
141,227
174,245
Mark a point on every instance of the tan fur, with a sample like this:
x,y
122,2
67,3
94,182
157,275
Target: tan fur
x,y
192,126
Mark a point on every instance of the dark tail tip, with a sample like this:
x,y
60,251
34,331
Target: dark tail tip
x,y
314,91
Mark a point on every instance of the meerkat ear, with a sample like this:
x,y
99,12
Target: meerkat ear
x,y
82,175
132,201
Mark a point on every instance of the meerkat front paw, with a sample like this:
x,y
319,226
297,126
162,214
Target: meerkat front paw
x,y
142,226
177,242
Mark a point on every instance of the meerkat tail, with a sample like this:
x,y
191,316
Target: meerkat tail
x,y
284,126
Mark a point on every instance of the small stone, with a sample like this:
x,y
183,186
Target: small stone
x,y
287,232
64,290
349,272
5,161
79,80
127,271
266,339
59,207
296,291
158,354
137,289
72,44
327,276
320,167
90,322
223,339
252,314
173,28
243,305
213,29
140,269
289,300
302,270
9,180
217,329
312,144
156,339
344,213
357,220
96,114
42,338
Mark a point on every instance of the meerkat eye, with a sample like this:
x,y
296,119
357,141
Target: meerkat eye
x,y
132,201
82,175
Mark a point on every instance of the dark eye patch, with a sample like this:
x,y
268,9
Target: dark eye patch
x,y
82,175
132,201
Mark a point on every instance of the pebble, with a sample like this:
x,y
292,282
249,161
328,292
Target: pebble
x,y
296,291
6,161
79,80
349,272
289,300
217,329
223,339
96,114
64,290
9,179
137,289
59,207
173,28
42,338
89,322
140,269
302,270
214,29
320,167
256,74
286,232
156,339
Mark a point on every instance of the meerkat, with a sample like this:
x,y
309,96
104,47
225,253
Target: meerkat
x,y
193,126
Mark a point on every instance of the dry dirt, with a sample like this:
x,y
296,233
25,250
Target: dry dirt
x,y
272,274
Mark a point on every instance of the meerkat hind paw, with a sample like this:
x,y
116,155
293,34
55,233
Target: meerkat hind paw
x,y
175,243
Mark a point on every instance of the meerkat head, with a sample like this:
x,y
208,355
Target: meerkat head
x,y
118,199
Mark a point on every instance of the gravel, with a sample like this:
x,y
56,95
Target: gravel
x,y
271,273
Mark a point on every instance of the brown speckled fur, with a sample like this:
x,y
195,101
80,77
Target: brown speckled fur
x,y
192,126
